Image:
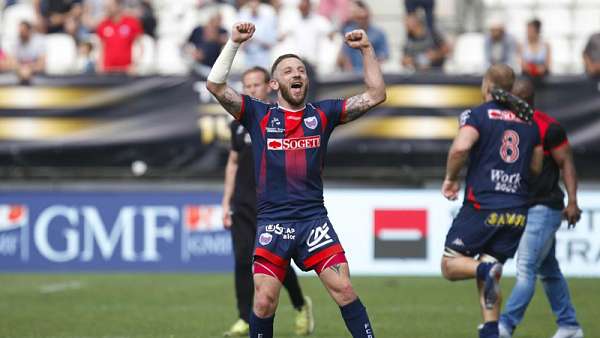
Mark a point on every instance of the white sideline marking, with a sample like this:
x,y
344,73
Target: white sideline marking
x,y
60,287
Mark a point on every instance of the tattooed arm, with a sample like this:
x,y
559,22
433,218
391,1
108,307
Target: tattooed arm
x,y
227,97
359,104
217,79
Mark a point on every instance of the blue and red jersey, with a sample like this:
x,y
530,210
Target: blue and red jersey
x,y
289,150
498,176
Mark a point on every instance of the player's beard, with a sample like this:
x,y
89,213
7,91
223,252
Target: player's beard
x,y
287,95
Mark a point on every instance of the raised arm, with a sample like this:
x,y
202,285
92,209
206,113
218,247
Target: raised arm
x,y
359,104
217,79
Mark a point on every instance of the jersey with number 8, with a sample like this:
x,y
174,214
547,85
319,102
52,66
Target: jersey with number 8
x,y
498,174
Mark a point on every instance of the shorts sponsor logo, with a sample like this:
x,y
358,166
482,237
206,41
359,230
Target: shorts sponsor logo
x,y
311,122
505,182
318,237
265,238
299,143
285,233
509,219
400,233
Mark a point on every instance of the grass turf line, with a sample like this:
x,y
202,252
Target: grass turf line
x,y
199,305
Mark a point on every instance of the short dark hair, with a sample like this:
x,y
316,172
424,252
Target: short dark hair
x,y
537,24
258,70
500,76
26,24
281,58
525,89
361,4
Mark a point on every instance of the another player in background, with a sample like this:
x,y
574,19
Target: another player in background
x,y
289,141
504,151
239,214
536,253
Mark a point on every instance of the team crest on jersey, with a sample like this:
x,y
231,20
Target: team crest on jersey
x,y
311,122
265,238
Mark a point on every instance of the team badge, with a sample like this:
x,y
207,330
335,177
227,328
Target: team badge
x,y
265,238
311,122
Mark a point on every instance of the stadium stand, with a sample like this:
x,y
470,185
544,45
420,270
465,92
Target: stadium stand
x,y
176,19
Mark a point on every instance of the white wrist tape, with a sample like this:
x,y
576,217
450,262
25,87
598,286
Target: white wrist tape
x,y
221,68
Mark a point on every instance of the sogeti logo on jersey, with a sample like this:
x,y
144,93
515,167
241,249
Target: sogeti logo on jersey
x,y
504,115
505,182
294,143
13,216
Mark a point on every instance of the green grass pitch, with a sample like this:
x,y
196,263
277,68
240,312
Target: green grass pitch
x,y
198,305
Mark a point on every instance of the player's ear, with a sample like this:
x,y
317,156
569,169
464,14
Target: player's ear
x,y
274,85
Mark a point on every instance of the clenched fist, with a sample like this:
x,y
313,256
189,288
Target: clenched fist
x,y
357,39
242,31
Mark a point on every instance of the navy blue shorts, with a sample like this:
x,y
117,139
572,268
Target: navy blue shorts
x,y
307,243
492,232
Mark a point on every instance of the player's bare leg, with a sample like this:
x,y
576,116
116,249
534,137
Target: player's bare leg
x,y
336,279
266,299
459,268
488,314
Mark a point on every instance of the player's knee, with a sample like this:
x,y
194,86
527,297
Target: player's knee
x,y
265,302
447,271
343,292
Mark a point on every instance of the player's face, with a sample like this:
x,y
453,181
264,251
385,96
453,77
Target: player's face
x,y
292,81
256,85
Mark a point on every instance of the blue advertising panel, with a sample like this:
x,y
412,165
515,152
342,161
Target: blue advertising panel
x,y
113,231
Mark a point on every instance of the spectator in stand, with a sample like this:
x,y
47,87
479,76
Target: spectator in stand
x,y
118,33
306,42
29,53
143,10
591,55
360,18
93,14
500,46
427,6
86,63
53,14
535,53
258,49
205,43
337,11
424,50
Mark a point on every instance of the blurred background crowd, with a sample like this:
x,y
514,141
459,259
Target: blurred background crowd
x,y
143,37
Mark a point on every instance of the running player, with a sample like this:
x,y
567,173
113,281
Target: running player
x,y
503,151
536,253
239,215
289,141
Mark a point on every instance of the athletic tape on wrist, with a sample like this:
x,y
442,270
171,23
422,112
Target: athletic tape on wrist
x,y
221,68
